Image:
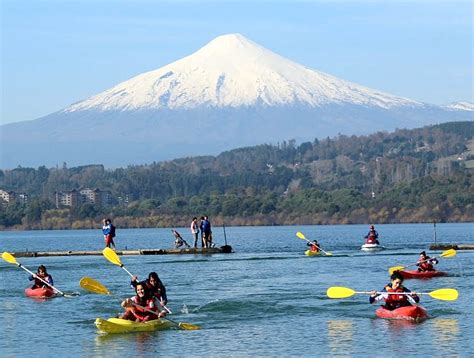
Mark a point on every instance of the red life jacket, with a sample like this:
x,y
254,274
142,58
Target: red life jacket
x,y
141,313
396,300
314,248
425,265
38,282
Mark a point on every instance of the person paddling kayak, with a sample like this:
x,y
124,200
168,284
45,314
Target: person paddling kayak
x,y
43,275
425,263
147,303
154,285
393,301
314,246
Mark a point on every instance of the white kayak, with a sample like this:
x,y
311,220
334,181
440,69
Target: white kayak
x,y
372,247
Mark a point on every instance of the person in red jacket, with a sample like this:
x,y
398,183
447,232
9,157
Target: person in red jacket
x,y
425,263
43,275
142,307
388,294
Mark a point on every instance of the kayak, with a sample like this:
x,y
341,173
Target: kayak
x,y
41,292
414,313
118,325
312,253
423,274
372,247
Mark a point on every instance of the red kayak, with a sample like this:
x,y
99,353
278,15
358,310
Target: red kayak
x,y
42,292
422,274
412,313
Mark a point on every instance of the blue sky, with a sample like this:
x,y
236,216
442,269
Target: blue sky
x,y
57,52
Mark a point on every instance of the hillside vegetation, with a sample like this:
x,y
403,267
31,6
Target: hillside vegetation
x,y
419,175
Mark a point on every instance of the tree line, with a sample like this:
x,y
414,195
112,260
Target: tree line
x,y
416,175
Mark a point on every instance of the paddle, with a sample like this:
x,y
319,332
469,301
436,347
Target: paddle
x,y
445,294
95,286
12,260
447,253
112,256
302,237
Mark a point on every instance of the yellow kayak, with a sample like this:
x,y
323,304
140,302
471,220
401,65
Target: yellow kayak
x,y
118,325
312,253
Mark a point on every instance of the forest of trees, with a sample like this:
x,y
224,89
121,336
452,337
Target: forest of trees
x,y
419,175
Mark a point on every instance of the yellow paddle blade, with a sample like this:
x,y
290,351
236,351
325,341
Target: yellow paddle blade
x,y
327,253
9,258
93,286
110,255
188,326
339,292
391,270
300,235
448,253
445,294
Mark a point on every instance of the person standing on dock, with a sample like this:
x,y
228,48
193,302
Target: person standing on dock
x,y
201,227
206,232
109,233
195,231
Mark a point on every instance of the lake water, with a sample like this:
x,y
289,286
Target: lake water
x,y
266,299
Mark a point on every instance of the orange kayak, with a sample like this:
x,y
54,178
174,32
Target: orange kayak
x,y
414,313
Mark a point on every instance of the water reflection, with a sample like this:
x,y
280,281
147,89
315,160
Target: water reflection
x,y
340,337
446,336
116,345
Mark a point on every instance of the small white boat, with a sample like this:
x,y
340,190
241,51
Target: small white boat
x,y
372,247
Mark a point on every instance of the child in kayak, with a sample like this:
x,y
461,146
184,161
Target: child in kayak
x,y
142,307
393,301
425,263
43,275
372,236
154,285
314,246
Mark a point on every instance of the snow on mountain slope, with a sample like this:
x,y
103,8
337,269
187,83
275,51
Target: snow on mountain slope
x,y
232,71
463,106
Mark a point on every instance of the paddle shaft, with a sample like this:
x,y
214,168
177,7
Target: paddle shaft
x,y
39,278
419,262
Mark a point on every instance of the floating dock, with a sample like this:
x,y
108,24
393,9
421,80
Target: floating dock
x,y
451,246
227,249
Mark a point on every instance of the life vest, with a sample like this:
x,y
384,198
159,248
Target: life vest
x,y
143,312
39,283
157,292
425,265
372,239
314,248
395,301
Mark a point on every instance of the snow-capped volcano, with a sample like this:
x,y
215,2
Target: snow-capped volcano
x,y
230,93
232,71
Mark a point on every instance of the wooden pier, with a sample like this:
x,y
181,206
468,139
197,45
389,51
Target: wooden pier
x,y
451,246
227,249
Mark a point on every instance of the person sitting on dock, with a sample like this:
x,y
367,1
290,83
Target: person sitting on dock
x,y
43,275
393,301
154,285
140,307
372,236
425,263
314,246
179,241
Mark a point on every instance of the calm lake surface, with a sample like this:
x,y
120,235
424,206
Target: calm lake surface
x,y
266,299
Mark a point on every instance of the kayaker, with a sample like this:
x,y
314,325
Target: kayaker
x,y
394,301
372,236
314,246
154,285
140,307
42,274
425,263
